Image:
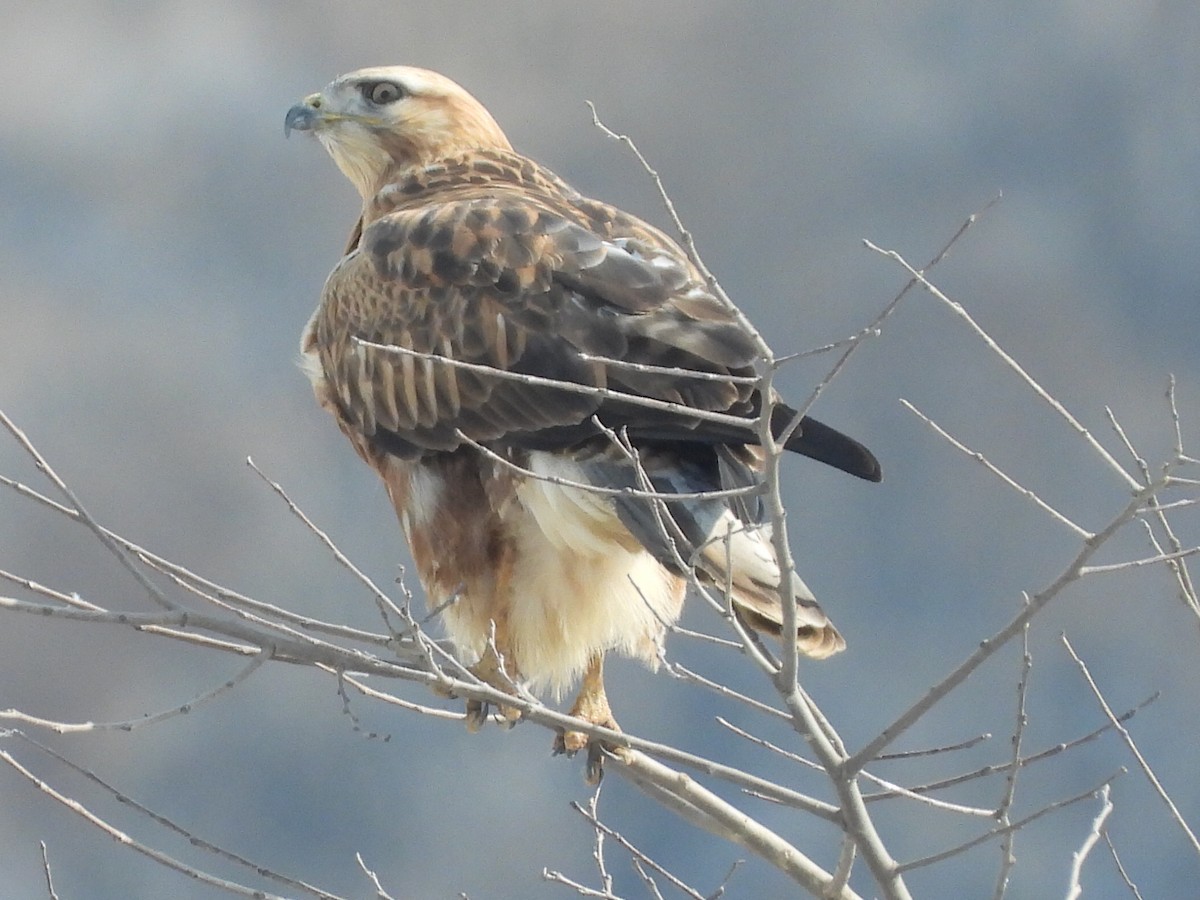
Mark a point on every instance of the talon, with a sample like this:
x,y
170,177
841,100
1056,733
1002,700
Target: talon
x,y
571,742
592,706
594,771
477,714
559,747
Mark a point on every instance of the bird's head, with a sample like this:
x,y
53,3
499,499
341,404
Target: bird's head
x,y
389,118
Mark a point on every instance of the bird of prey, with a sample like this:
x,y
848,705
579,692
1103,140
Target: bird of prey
x,y
525,368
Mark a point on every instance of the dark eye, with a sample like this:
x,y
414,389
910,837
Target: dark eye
x,y
381,93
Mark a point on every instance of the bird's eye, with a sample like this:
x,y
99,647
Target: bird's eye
x,y
381,93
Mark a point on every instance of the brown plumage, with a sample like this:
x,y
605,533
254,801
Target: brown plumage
x,y
468,251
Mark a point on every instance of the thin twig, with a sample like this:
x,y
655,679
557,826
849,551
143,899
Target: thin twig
x,y
168,824
570,387
989,646
386,606
1006,829
1074,888
559,481
1007,858
157,855
719,891
602,829
1121,868
1039,756
380,893
1014,366
1139,563
606,880
553,875
893,790
647,880
998,472
85,517
50,892
968,744
1133,748
180,574
672,371
130,724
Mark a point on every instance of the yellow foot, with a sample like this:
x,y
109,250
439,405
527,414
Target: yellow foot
x,y
499,674
592,706
571,742
479,710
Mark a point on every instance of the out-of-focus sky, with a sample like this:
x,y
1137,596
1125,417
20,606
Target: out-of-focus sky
x,y
161,247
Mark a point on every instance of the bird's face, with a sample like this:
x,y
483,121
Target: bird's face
x,y
375,121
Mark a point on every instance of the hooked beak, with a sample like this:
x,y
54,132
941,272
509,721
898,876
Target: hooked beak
x,y
306,116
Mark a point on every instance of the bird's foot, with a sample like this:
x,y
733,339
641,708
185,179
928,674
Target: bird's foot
x,y
592,706
479,710
491,670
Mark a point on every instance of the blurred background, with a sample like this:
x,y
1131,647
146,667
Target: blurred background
x,y
161,247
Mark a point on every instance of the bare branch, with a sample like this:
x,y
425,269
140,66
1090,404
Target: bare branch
x,y
988,647
1006,829
130,724
185,577
1139,563
639,855
1041,755
1007,858
893,790
380,893
1133,748
382,600
1014,366
582,890
998,472
1120,868
606,880
570,387
705,810
647,880
158,856
649,494
875,327
83,516
50,892
935,751
673,371
1074,888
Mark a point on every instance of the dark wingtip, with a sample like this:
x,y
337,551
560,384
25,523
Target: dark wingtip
x,y
818,441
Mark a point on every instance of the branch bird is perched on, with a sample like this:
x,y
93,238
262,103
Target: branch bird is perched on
x,y
468,251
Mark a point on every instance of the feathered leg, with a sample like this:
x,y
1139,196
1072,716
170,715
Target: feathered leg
x,y
497,666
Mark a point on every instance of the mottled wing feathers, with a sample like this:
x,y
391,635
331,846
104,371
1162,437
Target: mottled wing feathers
x,y
510,284
491,260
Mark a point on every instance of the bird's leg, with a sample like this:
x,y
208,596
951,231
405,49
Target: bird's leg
x,y
592,706
496,668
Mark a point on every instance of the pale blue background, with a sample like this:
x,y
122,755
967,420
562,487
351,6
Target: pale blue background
x,y
161,247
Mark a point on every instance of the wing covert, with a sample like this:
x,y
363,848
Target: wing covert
x,y
507,283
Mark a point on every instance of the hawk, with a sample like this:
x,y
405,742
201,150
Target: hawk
x,y
525,368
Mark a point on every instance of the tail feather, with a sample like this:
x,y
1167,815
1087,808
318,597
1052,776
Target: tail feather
x,y
741,557
725,541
